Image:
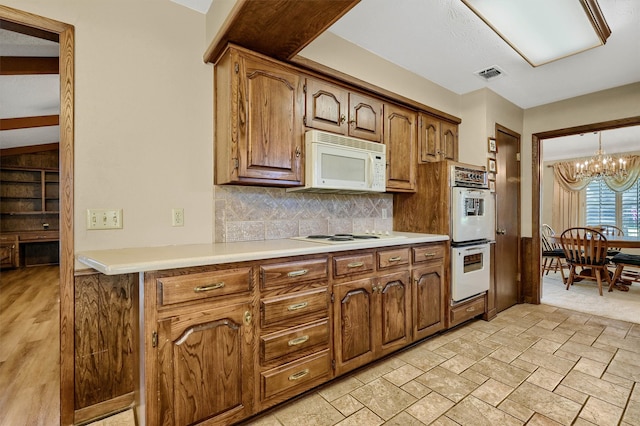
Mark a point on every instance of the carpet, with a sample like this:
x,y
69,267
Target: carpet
x,y
583,297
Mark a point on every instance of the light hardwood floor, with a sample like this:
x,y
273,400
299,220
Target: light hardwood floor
x,y
30,346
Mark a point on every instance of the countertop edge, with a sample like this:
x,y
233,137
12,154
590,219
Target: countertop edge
x,y
144,259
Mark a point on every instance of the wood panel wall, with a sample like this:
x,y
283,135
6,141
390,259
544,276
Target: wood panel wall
x,y
106,349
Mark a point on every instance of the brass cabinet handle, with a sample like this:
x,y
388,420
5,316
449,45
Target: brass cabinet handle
x,y
297,306
297,273
395,258
209,287
247,317
355,264
429,254
471,309
298,340
299,374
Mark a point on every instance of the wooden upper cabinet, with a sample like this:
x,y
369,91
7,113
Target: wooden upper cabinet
x,y
259,132
335,109
365,117
400,127
326,106
437,139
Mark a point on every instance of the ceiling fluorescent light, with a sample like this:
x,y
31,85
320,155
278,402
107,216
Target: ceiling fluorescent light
x,y
542,31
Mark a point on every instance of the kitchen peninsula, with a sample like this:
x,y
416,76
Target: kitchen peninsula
x,y
236,328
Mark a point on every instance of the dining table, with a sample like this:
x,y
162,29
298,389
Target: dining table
x,y
620,241
617,241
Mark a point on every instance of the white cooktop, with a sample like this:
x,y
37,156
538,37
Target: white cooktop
x,y
350,238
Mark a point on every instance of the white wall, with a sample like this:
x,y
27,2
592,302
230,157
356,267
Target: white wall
x,y
143,118
339,54
616,103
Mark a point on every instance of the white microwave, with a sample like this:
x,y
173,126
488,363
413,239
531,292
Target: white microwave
x,y
341,164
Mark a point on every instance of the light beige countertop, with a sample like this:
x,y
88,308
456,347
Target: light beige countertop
x,y
142,259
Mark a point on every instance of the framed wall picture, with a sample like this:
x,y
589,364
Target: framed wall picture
x,y
492,167
492,185
492,145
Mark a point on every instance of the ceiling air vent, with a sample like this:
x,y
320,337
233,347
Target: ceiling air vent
x,y
490,73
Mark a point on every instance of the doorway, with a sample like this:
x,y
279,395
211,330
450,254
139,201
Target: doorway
x,y
66,34
507,249
535,290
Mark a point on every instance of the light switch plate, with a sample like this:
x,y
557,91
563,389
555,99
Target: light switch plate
x,y
104,219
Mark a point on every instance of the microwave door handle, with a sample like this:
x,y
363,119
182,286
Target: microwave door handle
x,y
370,177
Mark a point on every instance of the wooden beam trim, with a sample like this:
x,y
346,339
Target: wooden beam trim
x,y
28,65
19,150
29,122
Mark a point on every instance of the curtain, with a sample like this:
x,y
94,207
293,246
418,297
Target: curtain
x,y
566,208
564,173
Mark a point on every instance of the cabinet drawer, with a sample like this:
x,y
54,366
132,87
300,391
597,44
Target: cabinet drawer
x,y
294,340
294,305
391,258
467,310
203,285
427,253
291,273
345,265
296,374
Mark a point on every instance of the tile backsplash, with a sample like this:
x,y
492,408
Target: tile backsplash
x,y
251,213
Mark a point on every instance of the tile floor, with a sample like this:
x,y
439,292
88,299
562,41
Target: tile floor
x,y
533,364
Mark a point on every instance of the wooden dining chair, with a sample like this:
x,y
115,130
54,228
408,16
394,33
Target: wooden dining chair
x,y
586,249
552,253
614,231
627,269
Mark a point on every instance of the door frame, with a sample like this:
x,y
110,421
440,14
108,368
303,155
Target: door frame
x,y
535,291
66,35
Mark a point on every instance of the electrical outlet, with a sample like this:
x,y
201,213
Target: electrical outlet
x,y
177,217
104,219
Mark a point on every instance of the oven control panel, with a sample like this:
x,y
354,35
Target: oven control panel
x,y
470,178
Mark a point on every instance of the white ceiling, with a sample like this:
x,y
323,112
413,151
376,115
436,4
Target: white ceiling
x,y
441,40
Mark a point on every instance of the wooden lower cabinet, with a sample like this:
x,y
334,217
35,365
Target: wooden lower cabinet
x,y
9,252
205,366
225,342
372,317
429,300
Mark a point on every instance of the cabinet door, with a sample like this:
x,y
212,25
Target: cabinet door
x,y
429,300
270,110
400,139
354,324
395,311
326,107
449,141
365,117
205,366
8,253
429,138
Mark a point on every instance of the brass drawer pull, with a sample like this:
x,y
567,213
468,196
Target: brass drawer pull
x,y
297,273
355,264
298,340
299,374
209,287
429,254
471,309
297,306
395,258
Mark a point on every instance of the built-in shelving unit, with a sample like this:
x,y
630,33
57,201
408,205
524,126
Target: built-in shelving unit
x,y
30,207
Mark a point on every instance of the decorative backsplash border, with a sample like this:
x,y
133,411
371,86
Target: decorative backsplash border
x,y
251,213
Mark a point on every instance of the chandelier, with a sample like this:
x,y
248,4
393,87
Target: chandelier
x,y
601,165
